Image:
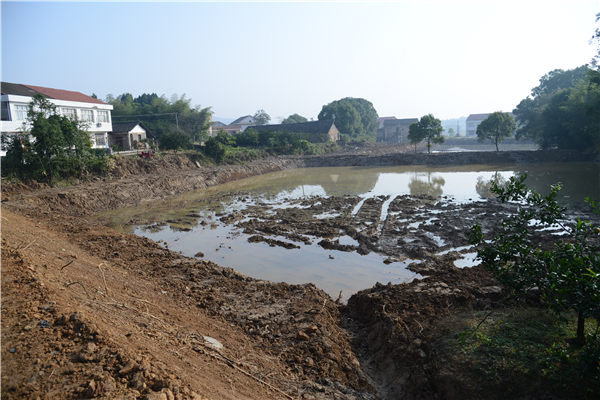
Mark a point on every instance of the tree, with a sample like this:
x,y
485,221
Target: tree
x,y
294,119
353,116
496,127
451,132
565,273
429,129
50,144
529,112
175,140
261,117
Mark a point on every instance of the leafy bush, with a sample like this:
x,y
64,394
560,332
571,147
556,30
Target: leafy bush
x,y
566,274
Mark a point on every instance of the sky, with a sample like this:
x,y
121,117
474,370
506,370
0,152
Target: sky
x,y
450,58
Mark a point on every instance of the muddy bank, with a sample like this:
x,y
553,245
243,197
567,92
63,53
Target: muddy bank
x,y
140,181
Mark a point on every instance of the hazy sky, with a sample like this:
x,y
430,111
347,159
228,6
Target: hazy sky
x,y
409,59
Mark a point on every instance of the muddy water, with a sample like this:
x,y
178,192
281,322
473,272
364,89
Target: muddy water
x,y
191,223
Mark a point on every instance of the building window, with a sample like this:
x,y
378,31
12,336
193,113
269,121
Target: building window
x,y
103,116
69,112
139,137
100,140
20,113
87,115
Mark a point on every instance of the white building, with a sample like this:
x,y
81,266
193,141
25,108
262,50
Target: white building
x,y
95,113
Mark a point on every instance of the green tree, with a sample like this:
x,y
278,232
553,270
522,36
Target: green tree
x,y
261,117
175,140
496,127
50,145
294,119
451,132
428,129
529,113
353,116
564,273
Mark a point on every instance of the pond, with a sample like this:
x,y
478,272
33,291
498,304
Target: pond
x,y
192,223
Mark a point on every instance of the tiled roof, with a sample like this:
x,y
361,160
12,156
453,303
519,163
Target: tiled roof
x,y
126,127
381,119
67,95
301,127
478,117
240,119
16,89
57,94
405,121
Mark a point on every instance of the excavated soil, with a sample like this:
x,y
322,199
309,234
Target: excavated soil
x,y
88,312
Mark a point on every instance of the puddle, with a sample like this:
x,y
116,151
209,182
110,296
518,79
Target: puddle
x,y
468,260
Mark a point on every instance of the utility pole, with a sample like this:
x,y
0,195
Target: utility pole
x,y
457,128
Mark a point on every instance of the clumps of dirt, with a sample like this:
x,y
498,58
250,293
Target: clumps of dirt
x,y
127,166
272,242
394,324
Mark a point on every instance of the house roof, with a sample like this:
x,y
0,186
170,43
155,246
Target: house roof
x,y
126,127
404,121
16,89
381,119
477,117
67,95
56,94
301,127
240,119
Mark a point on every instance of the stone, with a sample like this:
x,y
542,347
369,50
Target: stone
x,y
128,367
311,329
138,382
302,336
156,396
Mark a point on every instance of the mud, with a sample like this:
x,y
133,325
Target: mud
x,y
89,312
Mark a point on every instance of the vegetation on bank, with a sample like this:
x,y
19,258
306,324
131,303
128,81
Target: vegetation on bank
x,y
516,353
538,353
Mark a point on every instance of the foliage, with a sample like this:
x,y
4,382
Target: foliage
x,y
50,146
176,140
451,132
294,119
428,129
517,353
562,274
215,149
496,127
161,114
261,117
353,116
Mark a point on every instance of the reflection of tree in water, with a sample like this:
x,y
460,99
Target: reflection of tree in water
x,y
432,185
483,187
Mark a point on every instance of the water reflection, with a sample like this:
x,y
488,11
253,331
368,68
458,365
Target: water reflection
x,y
483,186
432,185
191,222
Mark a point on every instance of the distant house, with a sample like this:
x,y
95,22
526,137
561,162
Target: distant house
x,y
126,134
473,122
321,131
231,129
395,130
383,119
16,97
237,126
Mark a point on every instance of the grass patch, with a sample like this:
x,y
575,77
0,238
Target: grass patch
x,y
518,353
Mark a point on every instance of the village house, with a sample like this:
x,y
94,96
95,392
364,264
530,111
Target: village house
x,y
95,113
473,122
395,130
320,131
127,135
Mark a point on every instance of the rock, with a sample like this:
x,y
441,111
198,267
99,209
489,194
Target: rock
x,y
130,366
138,382
302,336
199,254
156,396
311,329
309,362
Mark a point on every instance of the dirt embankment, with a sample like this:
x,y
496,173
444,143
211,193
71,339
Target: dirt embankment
x,y
91,313
139,181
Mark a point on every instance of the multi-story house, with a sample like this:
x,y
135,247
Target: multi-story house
x,y
93,112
